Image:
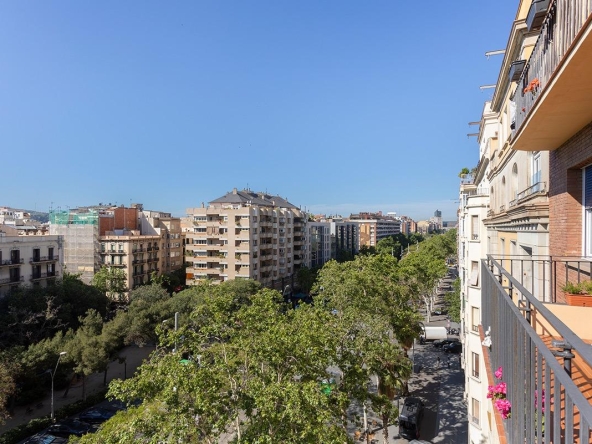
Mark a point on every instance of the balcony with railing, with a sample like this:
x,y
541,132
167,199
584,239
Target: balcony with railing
x,y
11,263
12,280
41,276
39,259
553,93
544,352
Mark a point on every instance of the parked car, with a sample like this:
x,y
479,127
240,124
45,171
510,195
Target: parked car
x,y
96,415
44,438
442,342
439,312
70,427
454,347
410,418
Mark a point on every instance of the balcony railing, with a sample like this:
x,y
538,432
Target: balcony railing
x,y
39,276
558,32
8,262
537,188
38,259
546,380
545,276
12,280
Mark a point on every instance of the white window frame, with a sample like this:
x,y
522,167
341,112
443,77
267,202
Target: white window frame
x,y
475,408
475,361
474,274
536,168
474,227
475,319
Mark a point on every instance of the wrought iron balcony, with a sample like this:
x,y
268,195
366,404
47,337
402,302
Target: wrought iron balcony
x,y
40,276
12,280
549,80
546,366
9,263
38,259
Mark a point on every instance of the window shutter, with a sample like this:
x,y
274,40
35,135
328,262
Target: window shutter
x,y
588,186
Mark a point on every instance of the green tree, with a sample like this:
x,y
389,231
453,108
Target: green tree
x,y
7,384
86,352
254,371
112,282
453,301
376,323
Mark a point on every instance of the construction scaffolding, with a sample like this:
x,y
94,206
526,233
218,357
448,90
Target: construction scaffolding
x,y
80,231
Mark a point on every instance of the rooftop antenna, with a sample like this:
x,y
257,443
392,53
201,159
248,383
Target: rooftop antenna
x,y
482,87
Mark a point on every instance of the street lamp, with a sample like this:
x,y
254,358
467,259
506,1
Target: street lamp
x,y
52,375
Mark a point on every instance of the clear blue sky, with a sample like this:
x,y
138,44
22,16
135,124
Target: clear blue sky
x,y
340,106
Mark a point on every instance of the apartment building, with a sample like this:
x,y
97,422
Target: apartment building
x,y
426,227
138,241
318,243
538,231
243,235
345,238
28,260
474,203
22,221
372,227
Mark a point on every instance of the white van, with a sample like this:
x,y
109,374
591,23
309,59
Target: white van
x,y
433,333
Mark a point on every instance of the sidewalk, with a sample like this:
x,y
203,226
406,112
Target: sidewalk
x,y
94,383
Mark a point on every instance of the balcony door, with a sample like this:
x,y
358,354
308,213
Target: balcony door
x,y
536,172
527,269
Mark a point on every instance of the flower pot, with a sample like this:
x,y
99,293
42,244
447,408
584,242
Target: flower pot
x,y
578,300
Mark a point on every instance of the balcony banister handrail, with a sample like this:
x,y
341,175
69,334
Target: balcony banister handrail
x,y
563,383
583,349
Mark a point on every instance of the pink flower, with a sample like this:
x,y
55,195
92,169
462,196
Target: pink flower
x,y
504,407
498,373
501,388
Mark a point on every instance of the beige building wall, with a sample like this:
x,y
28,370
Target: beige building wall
x,y
137,255
227,241
28,260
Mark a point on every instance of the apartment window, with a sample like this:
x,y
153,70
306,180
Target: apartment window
x,y
254,230
475,411
197,230
536,169
475,319
474,273
475,227
254,219
254,243
588,211
475,365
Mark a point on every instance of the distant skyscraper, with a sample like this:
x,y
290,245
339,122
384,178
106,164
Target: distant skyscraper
x,y
437,213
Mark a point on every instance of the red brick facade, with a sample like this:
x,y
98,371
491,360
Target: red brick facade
x,y
565,193
123,218
565,202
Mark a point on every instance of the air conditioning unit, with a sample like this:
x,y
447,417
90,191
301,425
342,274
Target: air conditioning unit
x,y
536,14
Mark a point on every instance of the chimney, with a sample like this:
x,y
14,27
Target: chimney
x,y
234,191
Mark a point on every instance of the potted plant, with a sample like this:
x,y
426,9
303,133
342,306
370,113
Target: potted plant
x,y
578,294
